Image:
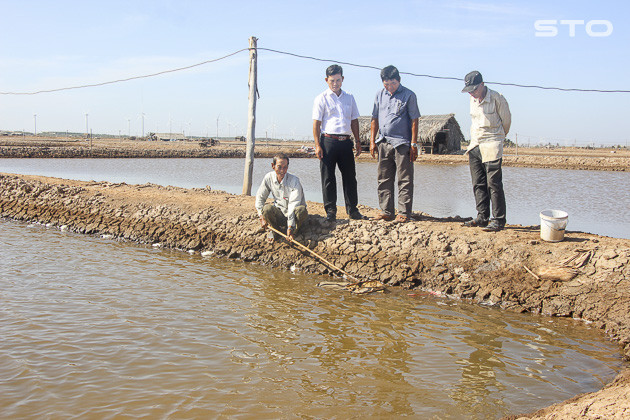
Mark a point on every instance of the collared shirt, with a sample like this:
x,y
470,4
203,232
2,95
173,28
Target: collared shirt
x,y
395,113
287,195
335,112
491,120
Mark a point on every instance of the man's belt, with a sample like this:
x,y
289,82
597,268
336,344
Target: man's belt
x,y
337,136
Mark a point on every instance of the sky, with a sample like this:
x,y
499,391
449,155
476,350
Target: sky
x,y
49,45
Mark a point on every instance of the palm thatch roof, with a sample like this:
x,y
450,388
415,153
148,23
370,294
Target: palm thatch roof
x,y
437,133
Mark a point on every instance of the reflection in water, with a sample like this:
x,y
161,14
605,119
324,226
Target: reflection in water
x,y
96,328
596,201
479,371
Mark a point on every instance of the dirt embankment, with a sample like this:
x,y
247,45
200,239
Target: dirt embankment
x,y
38,147
585,277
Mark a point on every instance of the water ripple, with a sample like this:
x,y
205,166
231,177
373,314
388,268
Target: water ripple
x,y
105,329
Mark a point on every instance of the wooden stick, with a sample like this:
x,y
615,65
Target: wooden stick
x,y
531,272
331,265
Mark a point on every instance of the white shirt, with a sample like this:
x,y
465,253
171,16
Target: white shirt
x,y
491,120
335,112
287,195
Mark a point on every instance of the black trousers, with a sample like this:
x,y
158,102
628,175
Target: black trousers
x,y
487,180
340,154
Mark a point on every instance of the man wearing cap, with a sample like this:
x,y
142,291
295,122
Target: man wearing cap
x,y
491,120
335,116
395,118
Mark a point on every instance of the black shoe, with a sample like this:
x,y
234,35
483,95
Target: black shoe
x,y
331,217
477,222
494,226
356,215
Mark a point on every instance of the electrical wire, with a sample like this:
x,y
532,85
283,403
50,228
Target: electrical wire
x,y
447,77
314,59
126,79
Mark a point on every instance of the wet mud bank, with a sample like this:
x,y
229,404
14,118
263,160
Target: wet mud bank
x,y
84,152
585,277
530,158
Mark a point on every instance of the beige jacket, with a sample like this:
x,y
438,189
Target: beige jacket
x,y
491,120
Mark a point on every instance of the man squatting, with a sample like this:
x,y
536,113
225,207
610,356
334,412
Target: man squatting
x,y
288,209
395,117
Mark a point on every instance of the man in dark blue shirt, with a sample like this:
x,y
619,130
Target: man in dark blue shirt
x,y
395,118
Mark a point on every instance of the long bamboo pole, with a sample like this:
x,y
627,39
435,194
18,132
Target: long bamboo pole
x,y
307,249
251,117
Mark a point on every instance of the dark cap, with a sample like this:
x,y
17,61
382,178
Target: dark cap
x,y
472,80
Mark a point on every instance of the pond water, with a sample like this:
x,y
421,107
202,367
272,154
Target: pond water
x,y
97,328
597,201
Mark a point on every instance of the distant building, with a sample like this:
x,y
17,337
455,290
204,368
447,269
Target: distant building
x,y
438,134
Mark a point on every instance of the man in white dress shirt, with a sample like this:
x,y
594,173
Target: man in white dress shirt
x,y
335,118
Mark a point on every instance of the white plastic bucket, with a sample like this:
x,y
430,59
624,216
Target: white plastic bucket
x,y
552,225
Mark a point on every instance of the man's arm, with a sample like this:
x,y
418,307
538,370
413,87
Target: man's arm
x,y
317,132
261,198
373,131
503,109
296,197
413,151
354,126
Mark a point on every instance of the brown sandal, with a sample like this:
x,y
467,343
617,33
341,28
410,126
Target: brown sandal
x,y
382,216
401,218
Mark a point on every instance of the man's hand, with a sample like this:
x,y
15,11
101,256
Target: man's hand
x,y
373,149
357,146
413,153
317,133
319,152
290,234
263,222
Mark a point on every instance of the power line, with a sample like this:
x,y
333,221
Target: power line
x,y
128,78
314,59
446,77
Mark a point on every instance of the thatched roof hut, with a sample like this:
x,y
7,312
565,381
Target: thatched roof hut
x,y
439,134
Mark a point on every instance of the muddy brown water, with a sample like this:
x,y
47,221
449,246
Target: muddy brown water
x,y
596,201
97,328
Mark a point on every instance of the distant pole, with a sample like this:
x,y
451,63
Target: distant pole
x,y
516,144
218,125
35,131
129,126
251,121
87,131
143,125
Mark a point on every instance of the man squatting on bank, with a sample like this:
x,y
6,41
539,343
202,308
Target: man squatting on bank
x,y
335,116
395,117
491,120
288,209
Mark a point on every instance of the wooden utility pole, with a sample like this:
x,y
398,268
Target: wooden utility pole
x,y
251,117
